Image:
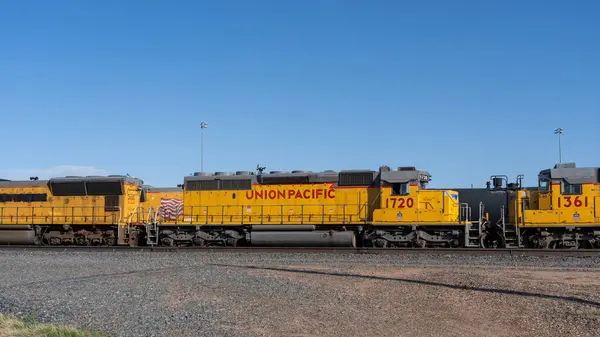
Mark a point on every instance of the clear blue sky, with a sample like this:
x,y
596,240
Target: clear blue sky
x,y
463,89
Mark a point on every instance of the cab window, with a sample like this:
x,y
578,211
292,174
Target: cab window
x,y
570,188
544,186
400,189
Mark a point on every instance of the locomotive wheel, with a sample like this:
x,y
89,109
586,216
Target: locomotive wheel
x,y
419,243
492,241
110,241
168,242
380,243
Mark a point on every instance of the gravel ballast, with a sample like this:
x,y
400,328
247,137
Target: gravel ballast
x,y
303,294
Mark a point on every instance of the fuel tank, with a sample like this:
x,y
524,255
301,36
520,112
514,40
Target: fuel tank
x,y
303,239
492,201
17,237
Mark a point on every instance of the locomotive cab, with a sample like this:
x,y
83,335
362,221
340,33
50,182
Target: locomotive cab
x,y
410,215
565,195
405,199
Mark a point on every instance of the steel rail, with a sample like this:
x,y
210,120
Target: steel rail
x,y
464,251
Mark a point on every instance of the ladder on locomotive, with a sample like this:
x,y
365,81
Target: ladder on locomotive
x,y
472,231
474,228
510,231
151,227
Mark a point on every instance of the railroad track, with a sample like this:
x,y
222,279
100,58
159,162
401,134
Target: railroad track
x,y
471,251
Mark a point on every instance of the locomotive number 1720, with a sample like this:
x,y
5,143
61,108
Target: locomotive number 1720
x,y
399,203
572,201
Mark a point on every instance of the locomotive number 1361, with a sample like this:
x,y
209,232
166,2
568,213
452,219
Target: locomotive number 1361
x,y
572,201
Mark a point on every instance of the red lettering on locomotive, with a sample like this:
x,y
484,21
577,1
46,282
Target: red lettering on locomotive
x,y
290,194
399,203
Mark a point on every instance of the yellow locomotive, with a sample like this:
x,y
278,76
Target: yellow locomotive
x,y
383,208
71,210
562,212
372,208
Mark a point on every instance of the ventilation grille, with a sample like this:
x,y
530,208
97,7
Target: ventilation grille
x,y
237,184
112,188
68,189
81,188
355,179
267,180
214,185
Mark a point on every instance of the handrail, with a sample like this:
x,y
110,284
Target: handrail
x,y
464,212
149,215
157,214
64,215
284,205
366,205
298,213
482,213
135,211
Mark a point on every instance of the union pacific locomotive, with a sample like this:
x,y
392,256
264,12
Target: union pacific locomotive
x,y
368,208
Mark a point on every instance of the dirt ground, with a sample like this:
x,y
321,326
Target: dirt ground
x,y
301,294
391,301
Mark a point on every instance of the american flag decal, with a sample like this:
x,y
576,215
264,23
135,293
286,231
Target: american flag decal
x,y
171,208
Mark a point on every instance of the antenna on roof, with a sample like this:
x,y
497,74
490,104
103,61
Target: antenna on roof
x,y
260,169
33,178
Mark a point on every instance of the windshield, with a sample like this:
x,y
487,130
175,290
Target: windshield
x,y
544,185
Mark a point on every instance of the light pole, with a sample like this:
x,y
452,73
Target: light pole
x,y
559,132
203,125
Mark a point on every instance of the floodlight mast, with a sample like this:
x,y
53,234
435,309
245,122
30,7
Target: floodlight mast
x,y
203,125
559,132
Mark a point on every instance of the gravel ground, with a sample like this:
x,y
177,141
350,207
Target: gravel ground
x,y
302,294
